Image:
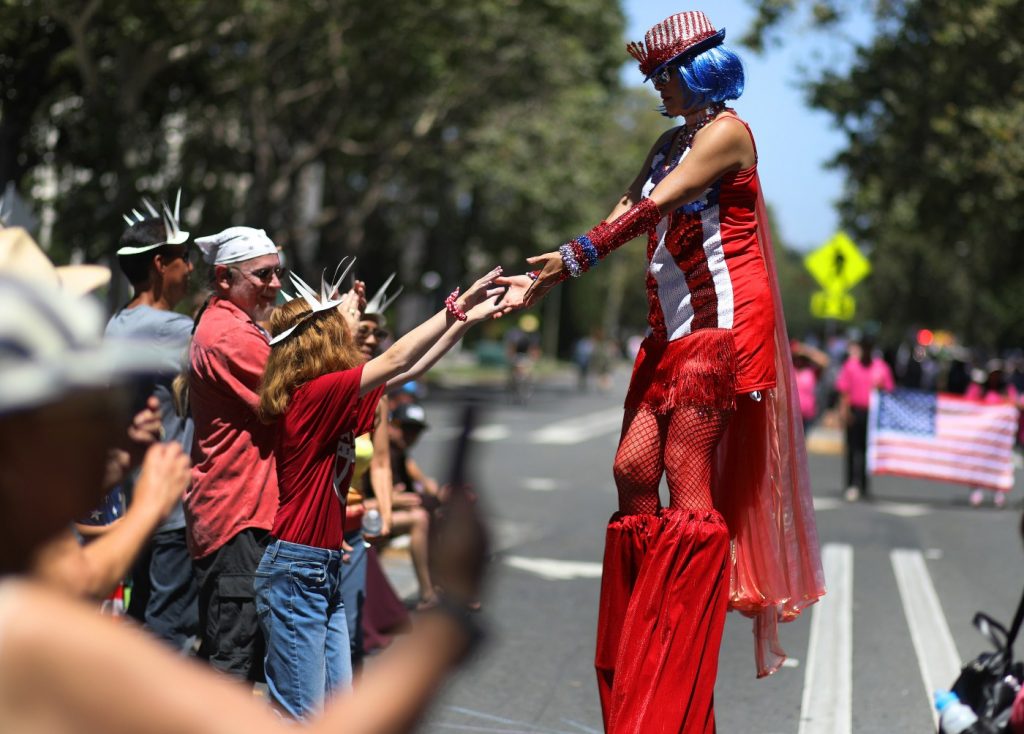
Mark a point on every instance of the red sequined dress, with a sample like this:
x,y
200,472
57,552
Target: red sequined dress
x,y
717,344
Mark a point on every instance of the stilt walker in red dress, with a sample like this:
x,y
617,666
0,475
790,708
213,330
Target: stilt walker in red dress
x,y
712,404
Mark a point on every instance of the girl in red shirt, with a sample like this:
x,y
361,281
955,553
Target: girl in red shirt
x,y
321,395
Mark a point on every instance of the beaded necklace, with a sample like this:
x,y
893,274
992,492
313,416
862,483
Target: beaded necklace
x,y
686,135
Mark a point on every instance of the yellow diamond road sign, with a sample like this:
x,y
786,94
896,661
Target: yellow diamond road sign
x,y
838,265
839,306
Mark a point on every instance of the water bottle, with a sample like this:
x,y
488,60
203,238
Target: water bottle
x,y
372,523
954,717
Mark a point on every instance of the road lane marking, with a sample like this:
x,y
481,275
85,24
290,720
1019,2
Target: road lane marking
x,y
827,503
553,570
903,509
827,700
529,728
936,651
483,434
580,428
493,432
539,484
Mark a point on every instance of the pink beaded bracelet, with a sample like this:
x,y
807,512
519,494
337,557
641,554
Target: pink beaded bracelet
x,y
453,307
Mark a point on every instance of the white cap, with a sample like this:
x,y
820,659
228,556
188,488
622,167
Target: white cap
x,y
235,245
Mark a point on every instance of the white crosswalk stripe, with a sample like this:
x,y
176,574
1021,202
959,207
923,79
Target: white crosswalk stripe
x,y
579,429
933,642
827,702
828,678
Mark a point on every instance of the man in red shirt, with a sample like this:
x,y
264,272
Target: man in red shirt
x,y
231,504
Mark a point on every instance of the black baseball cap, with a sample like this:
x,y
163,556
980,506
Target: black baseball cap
x,y
410,414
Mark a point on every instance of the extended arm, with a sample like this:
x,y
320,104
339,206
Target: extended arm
x,y
451,336
550,268
57,673
57,666
380,467
94,570
721,149
399,360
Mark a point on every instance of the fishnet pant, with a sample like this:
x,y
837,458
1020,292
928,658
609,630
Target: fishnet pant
x,y
680,443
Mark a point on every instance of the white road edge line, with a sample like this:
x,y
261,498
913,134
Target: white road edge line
x,y
555,570
579,428
827,701
936,651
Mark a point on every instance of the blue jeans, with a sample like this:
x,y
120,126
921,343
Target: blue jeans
x,y
298,600
353,591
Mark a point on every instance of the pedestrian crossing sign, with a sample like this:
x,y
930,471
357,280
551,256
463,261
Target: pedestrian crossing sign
x,y
838,265
839,306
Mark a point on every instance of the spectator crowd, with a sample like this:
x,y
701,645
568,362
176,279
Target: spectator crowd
x,y
835,379
219,483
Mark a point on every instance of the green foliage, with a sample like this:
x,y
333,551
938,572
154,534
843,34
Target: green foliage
x,y
933,113
430,134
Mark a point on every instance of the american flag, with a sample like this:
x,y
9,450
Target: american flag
x,y
943,437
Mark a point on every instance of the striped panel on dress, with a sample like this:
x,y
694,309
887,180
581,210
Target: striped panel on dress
x,y
694,288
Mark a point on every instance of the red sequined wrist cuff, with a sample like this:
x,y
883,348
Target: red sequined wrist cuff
x,y
639,219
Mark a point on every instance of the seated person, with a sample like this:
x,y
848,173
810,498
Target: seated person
x,y
414,495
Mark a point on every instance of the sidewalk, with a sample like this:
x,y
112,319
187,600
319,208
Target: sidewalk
x,y
824,439
397,564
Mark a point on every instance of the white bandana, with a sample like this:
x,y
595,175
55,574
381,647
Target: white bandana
x,y
235,244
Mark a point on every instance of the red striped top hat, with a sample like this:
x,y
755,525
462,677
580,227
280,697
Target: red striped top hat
x,y
683,34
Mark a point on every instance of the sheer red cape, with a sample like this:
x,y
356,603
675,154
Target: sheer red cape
x,y
763,490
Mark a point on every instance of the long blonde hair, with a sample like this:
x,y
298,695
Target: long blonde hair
x,y
320,345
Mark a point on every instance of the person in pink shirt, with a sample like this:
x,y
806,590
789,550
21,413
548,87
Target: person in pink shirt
x,y
861,374
808,364
230,507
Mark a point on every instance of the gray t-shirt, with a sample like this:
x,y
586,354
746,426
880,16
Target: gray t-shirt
x,y
169,333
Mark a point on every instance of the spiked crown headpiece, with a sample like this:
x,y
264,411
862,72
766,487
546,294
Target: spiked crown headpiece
x,y
173,235
329,297
381,301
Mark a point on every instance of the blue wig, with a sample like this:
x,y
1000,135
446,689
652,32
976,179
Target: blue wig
x,y
715,75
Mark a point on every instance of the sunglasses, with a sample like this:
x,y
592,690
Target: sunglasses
x,y
264,275
662,77
378,334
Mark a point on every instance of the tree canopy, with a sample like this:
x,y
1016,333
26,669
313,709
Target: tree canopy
x,y
433,134
441,135
933,113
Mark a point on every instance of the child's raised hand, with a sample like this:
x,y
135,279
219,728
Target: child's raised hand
x,y
482,300
479,290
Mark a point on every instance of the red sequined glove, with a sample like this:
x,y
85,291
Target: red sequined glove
x,y
583,253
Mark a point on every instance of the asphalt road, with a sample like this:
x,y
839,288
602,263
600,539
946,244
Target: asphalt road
x,y
906,574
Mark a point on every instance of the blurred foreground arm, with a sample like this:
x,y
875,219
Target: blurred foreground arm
x,y
94,570
50,679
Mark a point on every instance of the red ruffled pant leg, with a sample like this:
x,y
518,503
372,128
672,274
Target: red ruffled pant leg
x,y
664,595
